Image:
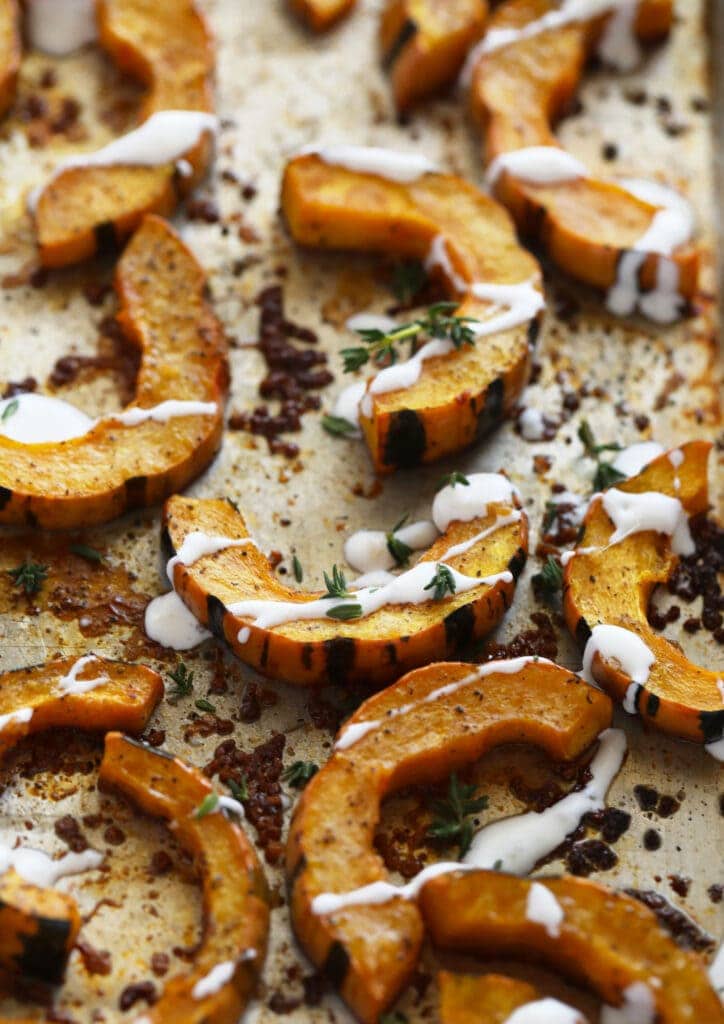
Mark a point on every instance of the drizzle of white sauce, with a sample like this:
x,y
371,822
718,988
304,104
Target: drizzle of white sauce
x,y
20,717
377,578
460,502
638,1007
633,459
532,424
671,227
403,168
715,749
627,649
161,139
545,1011
163,412
198,544
465,545
348,403
514,844
618,46
70,683
537,165
215,980
649,510
60,27
367,550
716,971
406,373
168,621
371,322
40,869
543,908
244,635
227,803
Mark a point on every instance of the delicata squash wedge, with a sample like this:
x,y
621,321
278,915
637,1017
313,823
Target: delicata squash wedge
x,y
626,549
603,938
310,639
173,428
85,207
445,397
424,43
430,723
321,15
472,998
228,962
38,926
588,226
9,52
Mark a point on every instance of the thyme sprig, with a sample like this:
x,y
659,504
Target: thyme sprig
x,y
452,480
397,548
336,585
443,582
298,774
183,682
338,426
408,279
239,790
208,805
380,347
550,579
606,474
29,577
451,823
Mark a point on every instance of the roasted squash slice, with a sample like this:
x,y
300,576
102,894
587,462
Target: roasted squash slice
x,y
375,648
93,478
459,396
424,43
610,584
9,52
607,940
229,960
166,45
321,15
585,225
476,998
38,929
370,951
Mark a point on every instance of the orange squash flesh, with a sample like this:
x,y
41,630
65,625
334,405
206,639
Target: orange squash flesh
x,y
585,226
167,46
371,951
93,478
374,649
612,585
607,940
9,52
236,900
124,701
38,929
476,998
321,15
459,397
424,43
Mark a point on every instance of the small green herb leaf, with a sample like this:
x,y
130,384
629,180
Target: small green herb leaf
x,y
338,426
443,582
397,548
183,681
550,579
205,705
452,479
207,806
606,476
343,612
336,584
89,553
297,569
549,516
299,773
451,822
10,409
354,358
29,577
407,280
239,790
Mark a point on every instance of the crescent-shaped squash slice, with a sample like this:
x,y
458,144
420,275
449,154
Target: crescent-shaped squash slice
x,y
38,927
167,45
429,724
9,52
459,396
476,998
376,648
424,43
113,467
321,14
585,225
610,584
607,940
229,960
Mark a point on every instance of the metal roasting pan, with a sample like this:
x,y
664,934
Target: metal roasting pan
x,y
279,88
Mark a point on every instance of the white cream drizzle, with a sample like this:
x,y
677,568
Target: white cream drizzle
x,y
638,1007
161,139
626,649
59,27
367,550
532,424
716,972
671,227
198,544
215,980
649,510
370,322
513,844
715,749
543,908
347,406
633,459
458,502
618,46
537,165
545,1011
40,869
20,717
391,164
168,621
71,684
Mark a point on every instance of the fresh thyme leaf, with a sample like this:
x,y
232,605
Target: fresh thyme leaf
x,y
183,681
605,472
86,552
549,516
397,548
205,705
452,480
407,280
29,577
443,582
451,822
336,584
550,579
354,358
297,569
345,611
497,865
298,774
239,790
338,426
606,475
10,409
207,806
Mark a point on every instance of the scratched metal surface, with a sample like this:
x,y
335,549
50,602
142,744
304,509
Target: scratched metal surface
x,y
278,89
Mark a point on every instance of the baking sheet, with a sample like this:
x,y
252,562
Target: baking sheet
x,y
278,89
